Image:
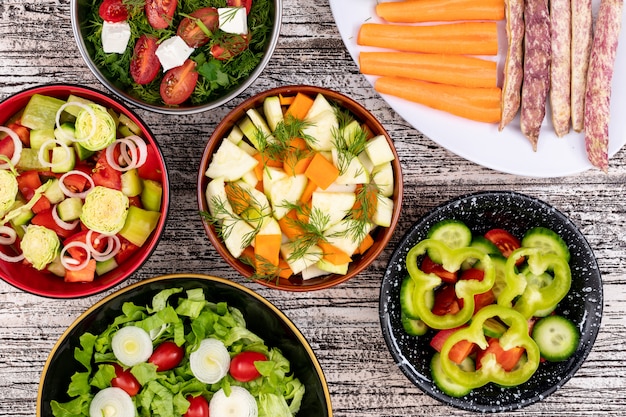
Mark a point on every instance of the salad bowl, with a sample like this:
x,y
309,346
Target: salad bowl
x,y
582,305
261,318
57,284
388,192
225,66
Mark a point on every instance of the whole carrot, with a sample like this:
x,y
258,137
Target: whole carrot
x,y
440,10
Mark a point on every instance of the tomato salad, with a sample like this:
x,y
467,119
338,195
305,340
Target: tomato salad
x,y
81,188
176,51
487,303
189,357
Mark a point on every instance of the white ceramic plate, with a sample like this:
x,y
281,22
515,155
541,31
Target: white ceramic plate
x,y
507,151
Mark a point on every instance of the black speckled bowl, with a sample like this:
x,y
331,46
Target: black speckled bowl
x,y
515,213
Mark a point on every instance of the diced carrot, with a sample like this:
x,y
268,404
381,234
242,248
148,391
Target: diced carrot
x,y
264,161
333,254
480,104
237,197
303,214
300,106
439,68
285,100
284,270
87,274
308,192
321,171
464,38
367,197
365,244
440,10
266,253
289,224
297,158
247,256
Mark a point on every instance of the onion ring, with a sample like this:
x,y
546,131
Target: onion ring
x,y
84,107
70,193
113,246
73,264
17,148
61,223
8,236
44,148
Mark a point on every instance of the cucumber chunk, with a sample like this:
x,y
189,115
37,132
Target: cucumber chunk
x,y
557,337
444,382
453,233
413,327
547,241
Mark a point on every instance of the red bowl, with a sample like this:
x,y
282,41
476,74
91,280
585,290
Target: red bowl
x,y
381,236
46,284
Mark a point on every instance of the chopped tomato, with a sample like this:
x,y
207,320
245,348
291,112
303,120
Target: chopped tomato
x,y
81,236
87,274
428,266
44,218
504,240
179,83
459,351
480,300
127,249
229,46
22,132
7,147
240,3
27,183
160,13
113,11
151,169
192,32
135,201
42,204
105,175
506,358
446,301
77,183
145,65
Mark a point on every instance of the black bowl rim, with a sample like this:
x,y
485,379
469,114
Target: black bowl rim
x,y
201,277
166,185
271,47
427,385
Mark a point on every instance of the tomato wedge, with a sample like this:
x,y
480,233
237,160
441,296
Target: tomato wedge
x,y
105,175
504,240
240,3
190,28
428,266
113,11
160,13
179,83
145,65
151,169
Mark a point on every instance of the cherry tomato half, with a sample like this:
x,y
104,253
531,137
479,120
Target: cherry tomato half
x,y
167,356
504,240
242,366
192,33
160,12
113,11
179,83
229,45
125,380
198,407
240,3
145,65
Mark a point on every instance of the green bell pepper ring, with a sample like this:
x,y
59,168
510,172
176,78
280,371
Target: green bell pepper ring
x,y
490,370
425,284
531,297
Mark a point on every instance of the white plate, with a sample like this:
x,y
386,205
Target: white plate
x,y
507,151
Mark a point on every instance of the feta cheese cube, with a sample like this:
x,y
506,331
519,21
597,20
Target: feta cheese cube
x,y
233,20
115,37
173,52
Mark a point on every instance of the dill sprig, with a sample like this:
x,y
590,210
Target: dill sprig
x,y
224,221
349,141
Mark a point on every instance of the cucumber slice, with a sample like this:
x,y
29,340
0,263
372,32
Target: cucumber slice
x,y
546,240
499,264
485,245
557,337
413,327
70,209
444,382
407,301
492,327
273,111
453,233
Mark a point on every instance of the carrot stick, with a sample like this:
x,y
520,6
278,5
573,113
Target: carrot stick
x,y
333,254
321,171
297,158
440,10
480,104
300,106
366,243
284,270
289,224
266,252
286,100
308,192
440,68
264,161
464,38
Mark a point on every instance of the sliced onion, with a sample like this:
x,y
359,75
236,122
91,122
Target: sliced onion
x,y
131,345
17,148
73,264
210,362
70,193
240,403
59,222
113,246
8,237
142,149
84,107
112,401
134,145
44,148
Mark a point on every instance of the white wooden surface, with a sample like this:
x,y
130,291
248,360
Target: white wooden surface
x,y
341,324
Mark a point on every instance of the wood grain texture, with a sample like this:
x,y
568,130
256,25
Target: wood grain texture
x,y
341,324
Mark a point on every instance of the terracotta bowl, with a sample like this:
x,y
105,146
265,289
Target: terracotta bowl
x,y
381,235
44,283
261,317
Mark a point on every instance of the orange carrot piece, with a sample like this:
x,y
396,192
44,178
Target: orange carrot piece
x,y
297,158
238,200
480,104
304,213
464,38
321,171
289,224
371,197
365,244
308,192
300,106
440,10
285,100
264,161
266,252
284,270
87,274
247,255
451,69
333,254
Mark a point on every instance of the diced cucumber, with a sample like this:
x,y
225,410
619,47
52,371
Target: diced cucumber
x,y
40,136
273,111
384,211
492,327
40,112
413,327
547,241
230,162
333,206
557,337
65,133
321,128
312,271
382,175
299,262
70,209
81,152
235,135
63,159
29,160
257,209
250,131
444,382
453,233
378,150
261,125
132,126
74,110
343,236
131,183
22,218
56,267
351,131
54,193
237,234
331,268
102,267
351,170
139,225
217,199
285,192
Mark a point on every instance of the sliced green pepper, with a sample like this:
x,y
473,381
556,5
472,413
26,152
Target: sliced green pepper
x,y
490,370
425,284
528,298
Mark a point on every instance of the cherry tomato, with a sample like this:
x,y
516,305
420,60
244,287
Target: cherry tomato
x,y
167,356
240,3
151,169
504,240
113,11
242,366
428,267
160,13
125,380
145,65
198,407
192,33
179,83
229,46
105,175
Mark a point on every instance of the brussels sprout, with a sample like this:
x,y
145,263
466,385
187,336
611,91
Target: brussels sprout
x,y
40,246
8,190
105,210
104,133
